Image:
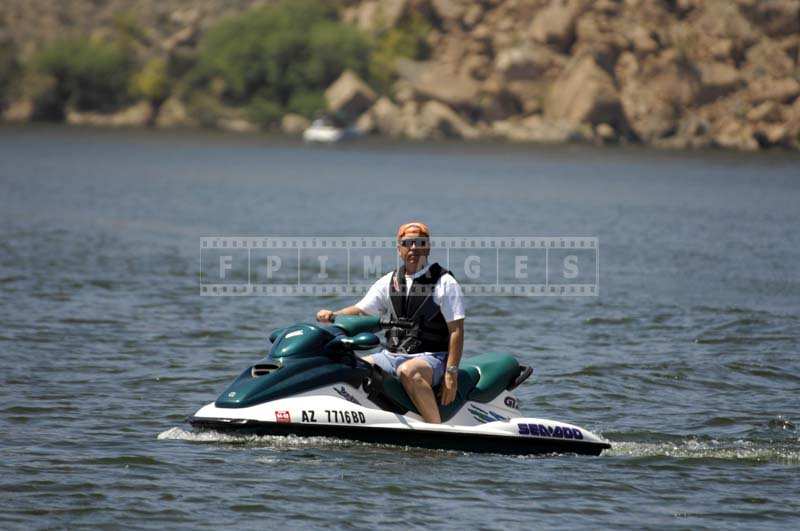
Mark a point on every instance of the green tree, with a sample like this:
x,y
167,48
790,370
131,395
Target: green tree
x,y
9,67
152,82
286,54
89,74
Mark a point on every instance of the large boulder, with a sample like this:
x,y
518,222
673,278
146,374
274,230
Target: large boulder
x,y
376,15
770,135
173,113
769,111
717,79
19,111
530,94
710,23
780,90
731,133
365,124
584,93
477,66
692,133
431,80
437,120
235,124
601,36
777,17
388,117
294,124
526,62
643,40
137,115
450,11
500,105
540,130
767,57
473,15
653,93
792,122
722,19
555,24
349,95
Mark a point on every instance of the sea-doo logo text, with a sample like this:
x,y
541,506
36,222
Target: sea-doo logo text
x,y
559,432
346,395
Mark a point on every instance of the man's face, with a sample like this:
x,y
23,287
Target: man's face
x,y
413,247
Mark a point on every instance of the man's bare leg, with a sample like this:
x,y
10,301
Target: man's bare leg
x,y
416,377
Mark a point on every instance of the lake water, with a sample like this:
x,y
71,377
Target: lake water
x,y
687,361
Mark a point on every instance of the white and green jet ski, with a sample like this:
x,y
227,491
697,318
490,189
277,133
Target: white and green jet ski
x,y
313,384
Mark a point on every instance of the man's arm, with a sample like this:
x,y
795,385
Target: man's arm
x,y
371,304
325,316
454,351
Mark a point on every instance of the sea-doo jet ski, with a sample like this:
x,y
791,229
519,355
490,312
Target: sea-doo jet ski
x,y
312,383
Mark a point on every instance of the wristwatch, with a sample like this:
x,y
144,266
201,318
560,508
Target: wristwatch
x,y
453,369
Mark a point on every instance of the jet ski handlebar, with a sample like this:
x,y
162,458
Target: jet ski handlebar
x,y
362,323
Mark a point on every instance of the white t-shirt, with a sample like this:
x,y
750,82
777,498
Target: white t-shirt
x,y
447,295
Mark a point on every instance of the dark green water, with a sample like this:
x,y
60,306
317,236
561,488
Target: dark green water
x,y
687,361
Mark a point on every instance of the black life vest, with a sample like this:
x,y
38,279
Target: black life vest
x,y
429,332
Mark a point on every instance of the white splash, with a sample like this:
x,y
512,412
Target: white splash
x,y
711,449
273,441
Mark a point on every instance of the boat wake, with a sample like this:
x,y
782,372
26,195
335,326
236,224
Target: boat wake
x,y
739,450
274,441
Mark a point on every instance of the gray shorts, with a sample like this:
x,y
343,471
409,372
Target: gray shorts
x,y
389,362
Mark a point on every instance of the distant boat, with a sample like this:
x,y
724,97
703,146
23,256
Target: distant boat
x,y
324,131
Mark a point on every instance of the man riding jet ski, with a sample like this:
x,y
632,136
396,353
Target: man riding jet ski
x,y
427,296
313,384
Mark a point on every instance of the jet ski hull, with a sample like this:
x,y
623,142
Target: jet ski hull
x,y
418,438
345,412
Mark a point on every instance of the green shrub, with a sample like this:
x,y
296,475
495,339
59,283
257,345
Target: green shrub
x,y
9,68
152,81
88,74
264,113
274,52
307,104
127,27
206,109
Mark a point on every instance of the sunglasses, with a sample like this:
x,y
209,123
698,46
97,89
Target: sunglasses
x,y
408,242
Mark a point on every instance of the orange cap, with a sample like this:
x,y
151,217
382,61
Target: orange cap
x,y
420,226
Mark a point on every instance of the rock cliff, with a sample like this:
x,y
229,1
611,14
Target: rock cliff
x,y
668,73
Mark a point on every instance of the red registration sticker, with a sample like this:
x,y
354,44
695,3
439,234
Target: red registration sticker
x,y
283,417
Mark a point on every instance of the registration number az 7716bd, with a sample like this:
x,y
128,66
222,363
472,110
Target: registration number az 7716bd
x,y
336,416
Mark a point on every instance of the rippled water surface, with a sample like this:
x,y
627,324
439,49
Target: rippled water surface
x,y
687,361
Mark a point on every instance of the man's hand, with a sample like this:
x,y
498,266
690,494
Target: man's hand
x,y
325,316
449,388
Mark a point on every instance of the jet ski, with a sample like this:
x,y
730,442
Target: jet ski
x,y
312,383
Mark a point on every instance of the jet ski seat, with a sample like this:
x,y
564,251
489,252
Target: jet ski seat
x,y
480,379
492,374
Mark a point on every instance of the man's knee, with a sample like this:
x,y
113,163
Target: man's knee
x,y
414,372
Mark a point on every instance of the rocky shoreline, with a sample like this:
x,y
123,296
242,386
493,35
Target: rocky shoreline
x,y
671,73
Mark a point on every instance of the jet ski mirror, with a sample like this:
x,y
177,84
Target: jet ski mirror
x,y
362,341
